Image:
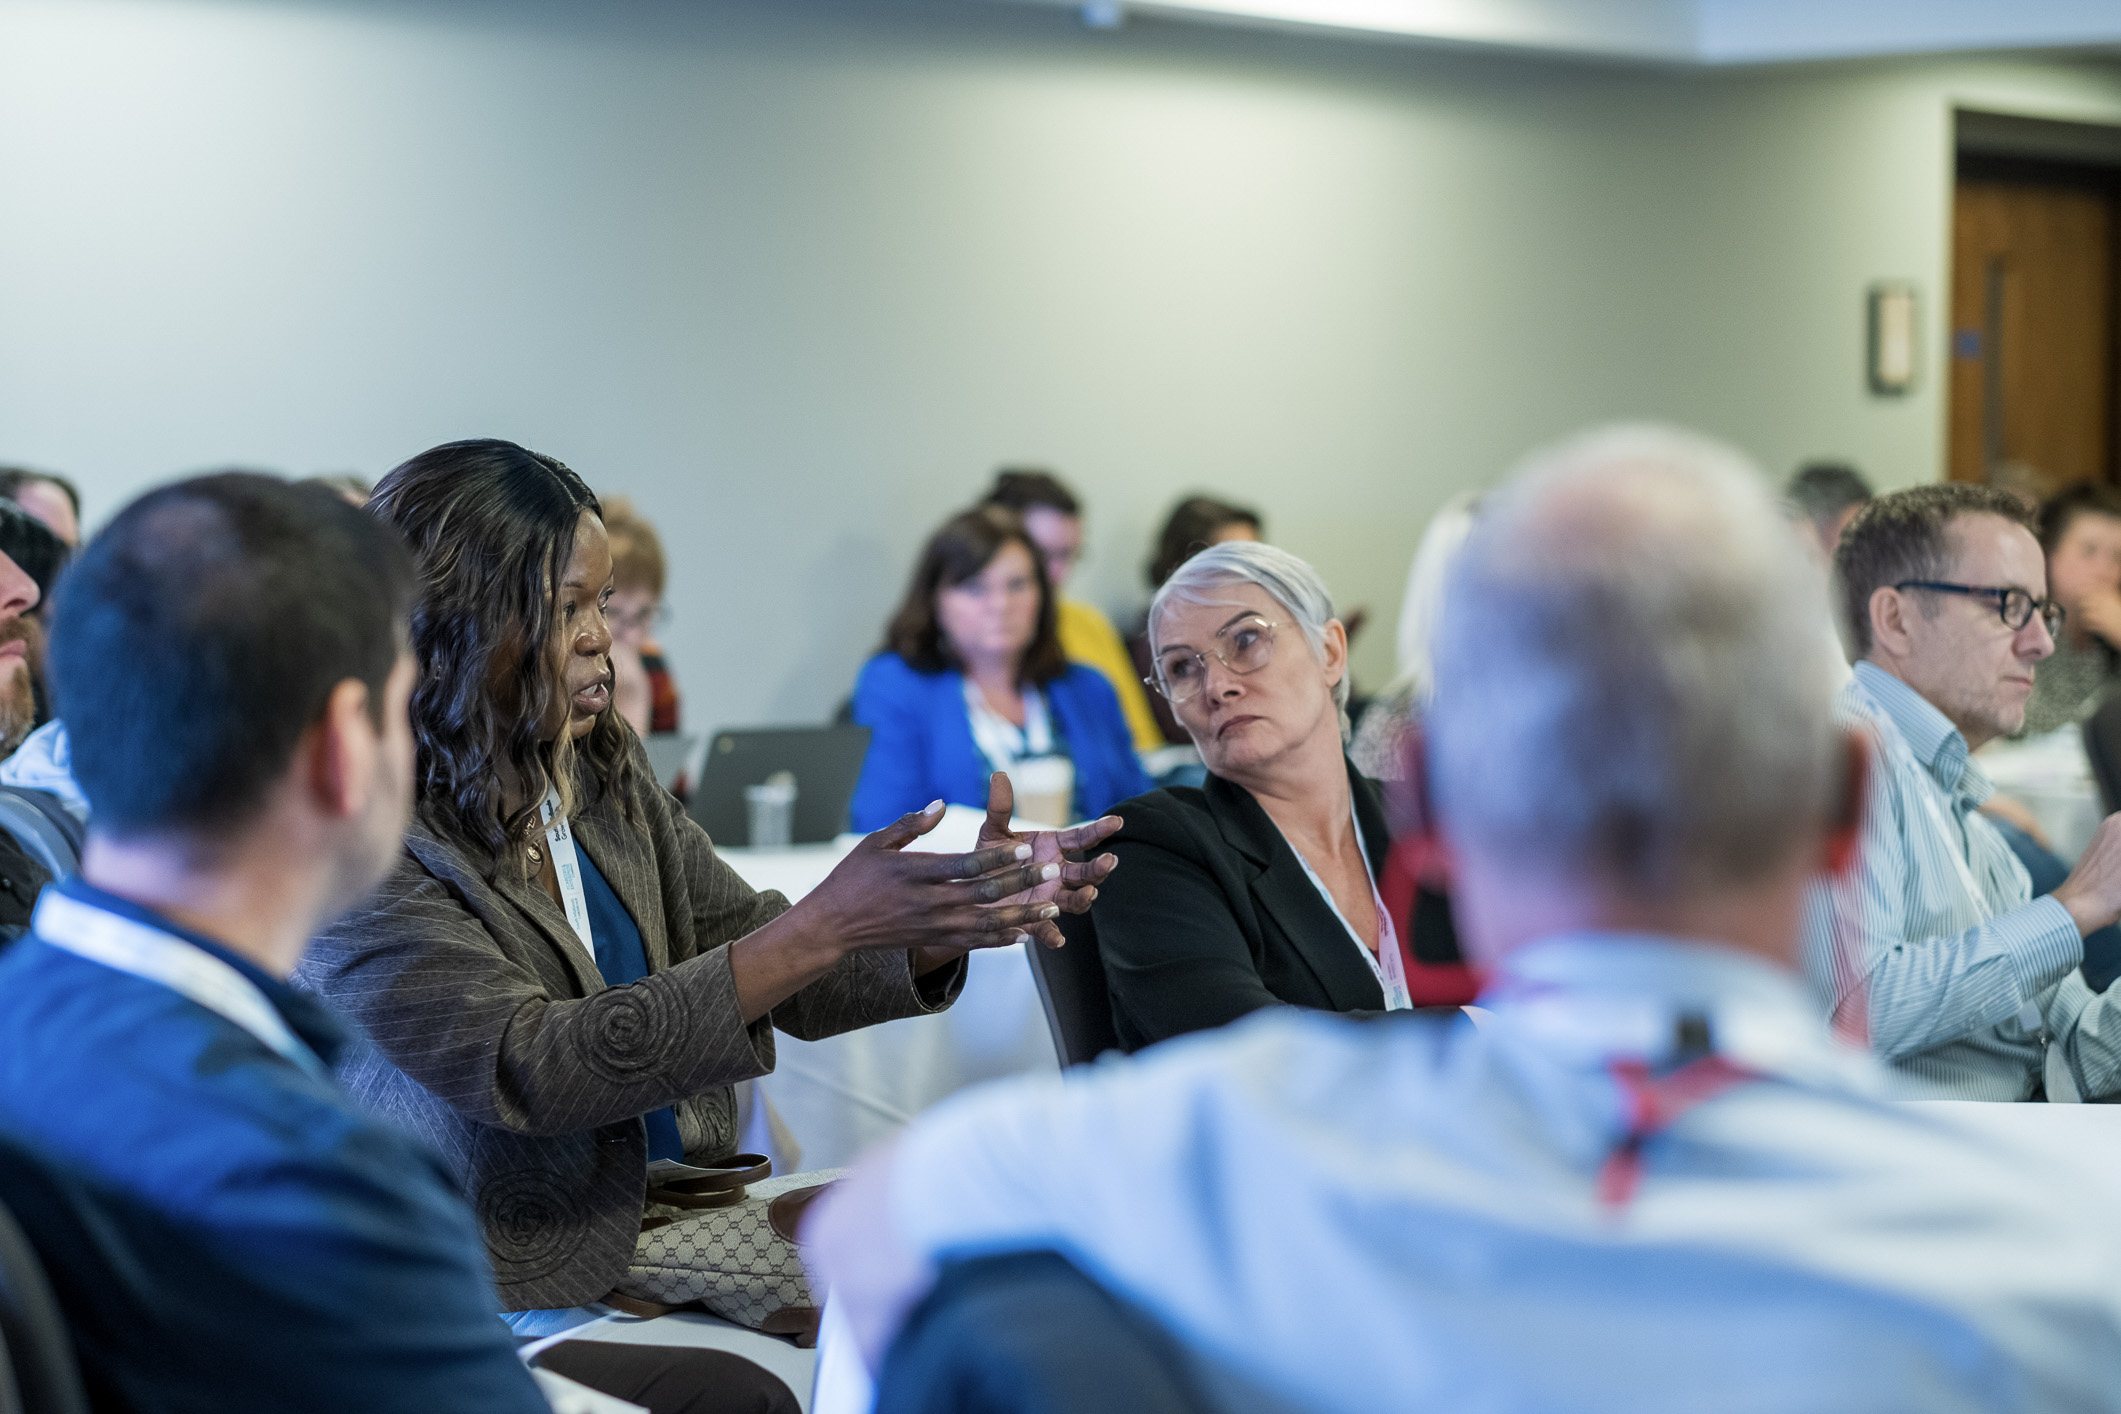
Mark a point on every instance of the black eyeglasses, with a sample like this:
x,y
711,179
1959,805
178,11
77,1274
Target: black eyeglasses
x,y
2014,606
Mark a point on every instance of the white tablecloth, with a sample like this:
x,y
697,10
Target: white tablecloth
x,y
2051,776
828,1100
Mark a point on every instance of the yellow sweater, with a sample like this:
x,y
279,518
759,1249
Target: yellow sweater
x,y
1087,637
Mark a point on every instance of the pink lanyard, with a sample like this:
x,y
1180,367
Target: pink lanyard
x,y
1654,1104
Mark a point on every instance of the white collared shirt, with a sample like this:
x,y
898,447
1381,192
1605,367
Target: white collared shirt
x,y
1403,1214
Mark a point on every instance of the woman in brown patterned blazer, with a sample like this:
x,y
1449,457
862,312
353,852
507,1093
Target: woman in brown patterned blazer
x,y
551,1029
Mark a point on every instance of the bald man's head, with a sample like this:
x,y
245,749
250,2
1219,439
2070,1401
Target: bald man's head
x,y
1631,688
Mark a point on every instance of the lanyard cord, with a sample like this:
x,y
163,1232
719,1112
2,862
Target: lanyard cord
x,y
1656,1101
567,867
155,955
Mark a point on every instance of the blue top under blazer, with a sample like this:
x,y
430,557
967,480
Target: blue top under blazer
x,y
921,748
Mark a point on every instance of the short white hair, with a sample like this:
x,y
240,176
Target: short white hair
x,y
1291,582
1631,687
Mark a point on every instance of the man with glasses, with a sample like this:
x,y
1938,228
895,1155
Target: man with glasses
x,y
1934,946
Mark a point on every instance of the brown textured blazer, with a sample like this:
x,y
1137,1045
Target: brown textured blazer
x,y
495,1039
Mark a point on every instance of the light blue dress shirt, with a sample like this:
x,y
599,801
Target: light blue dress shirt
x,y
1342,1215
1967,975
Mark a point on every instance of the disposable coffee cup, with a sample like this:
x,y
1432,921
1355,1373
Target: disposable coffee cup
x,y
1045,789
772,810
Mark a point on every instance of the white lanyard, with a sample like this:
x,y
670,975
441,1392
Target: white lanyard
x,y
1386,964
1001,741
161,957
2061,1084
1974,895
568,867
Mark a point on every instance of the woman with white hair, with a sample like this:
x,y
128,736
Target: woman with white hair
x,y
1264,885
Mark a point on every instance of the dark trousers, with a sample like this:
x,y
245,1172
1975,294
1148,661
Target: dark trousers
x,y
672,1379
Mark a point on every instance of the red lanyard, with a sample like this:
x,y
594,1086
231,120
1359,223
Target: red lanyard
x,y
1429,984
1654,1103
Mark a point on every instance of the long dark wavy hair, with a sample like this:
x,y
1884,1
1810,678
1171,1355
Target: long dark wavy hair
x,y
491,526
966,544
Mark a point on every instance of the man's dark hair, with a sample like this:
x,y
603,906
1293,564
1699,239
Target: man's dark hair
x,y
967,544
2089,498
1190,529
14,478
1902,536
201,633
1821,491
1019,488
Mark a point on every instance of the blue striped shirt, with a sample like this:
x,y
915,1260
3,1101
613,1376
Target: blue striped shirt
x,y
1941,923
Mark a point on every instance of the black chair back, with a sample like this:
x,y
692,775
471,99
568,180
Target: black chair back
x,y
1071,985
2102,744
1027,1333
38,1373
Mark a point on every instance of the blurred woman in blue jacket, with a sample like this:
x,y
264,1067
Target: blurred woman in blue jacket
x,y
971,680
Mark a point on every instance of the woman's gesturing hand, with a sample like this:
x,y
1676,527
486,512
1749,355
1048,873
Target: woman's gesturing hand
x,y
936,906
1075,888
881,896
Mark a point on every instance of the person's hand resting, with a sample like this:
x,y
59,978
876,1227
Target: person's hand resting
x,y
2092,892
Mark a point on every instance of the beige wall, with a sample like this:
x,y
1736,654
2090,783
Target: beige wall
x,y
798,275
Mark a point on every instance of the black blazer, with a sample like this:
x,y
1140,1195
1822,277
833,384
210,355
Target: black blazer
x,y
1210,915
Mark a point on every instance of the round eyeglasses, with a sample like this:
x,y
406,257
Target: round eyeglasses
x,y
1245,646
2015,607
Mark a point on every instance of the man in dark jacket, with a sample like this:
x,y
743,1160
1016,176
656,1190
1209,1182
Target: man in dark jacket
x,y
227,1231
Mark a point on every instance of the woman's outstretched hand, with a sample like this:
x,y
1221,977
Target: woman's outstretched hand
x,y
1075,889
884,896
938,907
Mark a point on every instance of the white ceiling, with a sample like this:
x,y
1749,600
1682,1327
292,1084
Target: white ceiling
x,y
1673,31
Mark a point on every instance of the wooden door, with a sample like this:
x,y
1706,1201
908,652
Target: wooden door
x,y
2033,381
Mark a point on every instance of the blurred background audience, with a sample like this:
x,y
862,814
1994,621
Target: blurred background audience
x,y
644,689
1826,496
972,680
2080,530
1053,519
